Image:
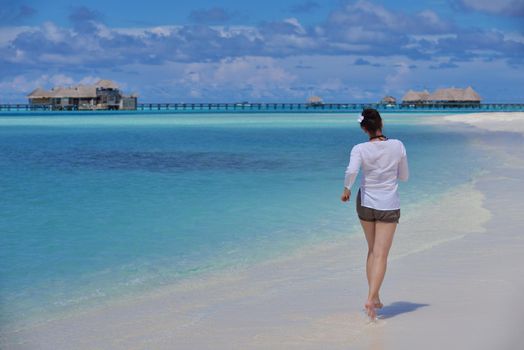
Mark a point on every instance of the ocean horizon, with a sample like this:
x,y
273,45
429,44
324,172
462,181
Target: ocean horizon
x,y
101,207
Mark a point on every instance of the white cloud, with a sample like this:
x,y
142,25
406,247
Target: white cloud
x,y
506,7
61,80
19,84
357,93
141,32
294,22
260,76
514,36
398,80
332,84
430,16
8,34
384,15
54,33
89,80
103,31
24,84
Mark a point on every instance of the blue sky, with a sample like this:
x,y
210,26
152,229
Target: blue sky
x,y
285,50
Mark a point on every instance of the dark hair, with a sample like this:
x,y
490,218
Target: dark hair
x,y
372,120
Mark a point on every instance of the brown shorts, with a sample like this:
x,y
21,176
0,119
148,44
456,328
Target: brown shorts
x,y
370,214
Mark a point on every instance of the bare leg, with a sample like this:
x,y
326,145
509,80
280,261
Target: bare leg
x,y
369,231
384,232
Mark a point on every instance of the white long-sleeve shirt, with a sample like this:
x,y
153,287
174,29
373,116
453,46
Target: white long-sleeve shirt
x,y
383,163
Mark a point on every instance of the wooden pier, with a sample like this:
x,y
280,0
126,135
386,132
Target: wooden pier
x,y
289,107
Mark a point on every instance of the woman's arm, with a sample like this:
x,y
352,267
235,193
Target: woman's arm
x,y
403,169
351,172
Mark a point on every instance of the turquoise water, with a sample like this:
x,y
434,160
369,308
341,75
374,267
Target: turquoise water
x,y
96,207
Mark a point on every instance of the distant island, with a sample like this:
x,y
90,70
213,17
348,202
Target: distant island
x,y
104,95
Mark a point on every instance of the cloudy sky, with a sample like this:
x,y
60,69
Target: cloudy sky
x,y
271,50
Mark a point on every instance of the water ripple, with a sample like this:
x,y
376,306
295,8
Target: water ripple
x,y
154,161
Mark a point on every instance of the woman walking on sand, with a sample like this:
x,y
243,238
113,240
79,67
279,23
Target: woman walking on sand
x,y
383,162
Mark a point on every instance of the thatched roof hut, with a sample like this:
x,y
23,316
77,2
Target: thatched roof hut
x,y
455,95
471,95
105,94
39,93
415,96
315,101
106,84
388,100
449,94
79,91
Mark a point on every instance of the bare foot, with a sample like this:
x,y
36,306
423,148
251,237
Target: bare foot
x,y
370,309
378,303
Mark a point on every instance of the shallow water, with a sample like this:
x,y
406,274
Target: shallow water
x,y
97,207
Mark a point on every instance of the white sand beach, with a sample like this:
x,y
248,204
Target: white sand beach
x,y
459,289
501,121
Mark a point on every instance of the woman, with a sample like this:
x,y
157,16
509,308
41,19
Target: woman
x,y
383,162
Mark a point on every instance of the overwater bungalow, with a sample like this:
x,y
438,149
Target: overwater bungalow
x,y
104,95
454,95
415,97
448,96
315,101
388,100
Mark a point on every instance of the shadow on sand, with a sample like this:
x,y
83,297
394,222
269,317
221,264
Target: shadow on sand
x,y
397,308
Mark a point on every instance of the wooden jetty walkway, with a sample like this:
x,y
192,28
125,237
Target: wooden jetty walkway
x,y
290,107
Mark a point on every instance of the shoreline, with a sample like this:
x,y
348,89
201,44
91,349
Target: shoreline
x,y
505,122
298,297
337,245
312,299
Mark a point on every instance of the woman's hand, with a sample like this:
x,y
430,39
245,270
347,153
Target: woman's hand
x,y
345,195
